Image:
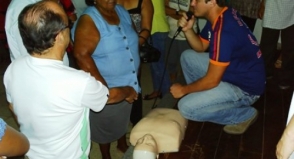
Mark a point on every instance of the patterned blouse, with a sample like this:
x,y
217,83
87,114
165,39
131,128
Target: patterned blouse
x,y
136,16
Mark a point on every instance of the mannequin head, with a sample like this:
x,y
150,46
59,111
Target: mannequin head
x,y
146,143
145,148
142,154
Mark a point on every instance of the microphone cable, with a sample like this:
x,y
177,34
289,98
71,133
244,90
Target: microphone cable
x,y
164,70
189,14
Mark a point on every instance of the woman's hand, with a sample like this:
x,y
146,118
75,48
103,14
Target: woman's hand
x,y
132,95
118,94
285,146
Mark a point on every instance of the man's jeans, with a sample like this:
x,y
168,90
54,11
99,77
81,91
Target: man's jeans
x,y
225,104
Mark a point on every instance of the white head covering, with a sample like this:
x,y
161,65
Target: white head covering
x,y
143,154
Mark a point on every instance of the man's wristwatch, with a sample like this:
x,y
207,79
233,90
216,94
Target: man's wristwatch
x,y
177,12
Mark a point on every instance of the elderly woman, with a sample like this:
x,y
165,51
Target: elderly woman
x,y
106,45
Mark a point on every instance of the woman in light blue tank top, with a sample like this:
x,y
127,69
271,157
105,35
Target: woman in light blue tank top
x,y
106,45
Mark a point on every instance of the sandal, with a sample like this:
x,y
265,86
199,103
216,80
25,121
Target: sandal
x,y
278,64
150,96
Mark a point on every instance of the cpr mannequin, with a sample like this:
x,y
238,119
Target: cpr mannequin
x,y
160,131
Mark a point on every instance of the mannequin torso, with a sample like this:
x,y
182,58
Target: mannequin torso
x,y
166,126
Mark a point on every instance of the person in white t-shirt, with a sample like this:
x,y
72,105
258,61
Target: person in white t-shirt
x,y
80,6
15,43
50,100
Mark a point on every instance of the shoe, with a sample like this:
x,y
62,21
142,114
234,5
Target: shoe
x,y
268,77
284,86
149,96
278,64
237,129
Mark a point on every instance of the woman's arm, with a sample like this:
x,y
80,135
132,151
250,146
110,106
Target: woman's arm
x,y
13,143
285,146
146,20
172,12
261,9
86,40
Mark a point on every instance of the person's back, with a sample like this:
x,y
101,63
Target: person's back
x,y
47,99
50,100
239,48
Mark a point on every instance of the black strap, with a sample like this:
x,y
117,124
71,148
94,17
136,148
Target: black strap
x,y
150,37
143,38
136,10
145,30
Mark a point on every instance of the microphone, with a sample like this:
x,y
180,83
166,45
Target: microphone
x,y
189,15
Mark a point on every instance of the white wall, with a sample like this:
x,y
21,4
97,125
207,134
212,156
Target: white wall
x,y
258,29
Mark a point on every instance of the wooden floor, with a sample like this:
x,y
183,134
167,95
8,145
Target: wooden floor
x,y
204,140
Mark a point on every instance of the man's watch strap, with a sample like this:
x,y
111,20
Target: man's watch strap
x,y
177,12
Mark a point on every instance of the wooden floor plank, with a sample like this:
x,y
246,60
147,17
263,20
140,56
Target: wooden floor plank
x,y
276,112
209,139
228,147
251,140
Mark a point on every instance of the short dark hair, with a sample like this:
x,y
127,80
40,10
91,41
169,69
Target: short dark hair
x,y
39,26
90,2
221,3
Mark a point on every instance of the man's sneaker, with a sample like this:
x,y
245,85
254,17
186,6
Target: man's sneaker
x,y
240,128
284,85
